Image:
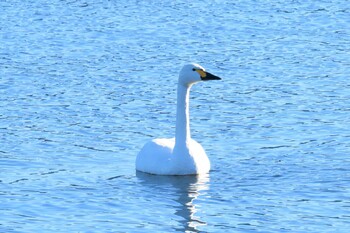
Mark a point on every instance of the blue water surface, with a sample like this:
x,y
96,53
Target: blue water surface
x,y
84,84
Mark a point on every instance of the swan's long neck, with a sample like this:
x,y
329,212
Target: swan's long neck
x,y
183,134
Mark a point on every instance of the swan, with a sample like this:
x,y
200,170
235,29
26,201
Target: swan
x,y
180,155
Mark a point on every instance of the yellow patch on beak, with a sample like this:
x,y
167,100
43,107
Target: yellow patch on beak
x,y
202,73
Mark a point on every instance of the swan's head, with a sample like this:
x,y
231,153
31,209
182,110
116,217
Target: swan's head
x,y
193,73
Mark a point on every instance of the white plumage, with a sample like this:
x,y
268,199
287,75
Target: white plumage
x,y
180,155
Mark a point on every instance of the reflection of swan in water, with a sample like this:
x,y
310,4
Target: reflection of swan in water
x,y
187,189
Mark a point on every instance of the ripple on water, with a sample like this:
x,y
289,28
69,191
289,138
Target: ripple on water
x,y
83,85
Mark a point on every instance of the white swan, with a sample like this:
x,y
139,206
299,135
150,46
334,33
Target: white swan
x,y
180,155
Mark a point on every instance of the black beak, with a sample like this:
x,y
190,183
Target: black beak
x,y
210,76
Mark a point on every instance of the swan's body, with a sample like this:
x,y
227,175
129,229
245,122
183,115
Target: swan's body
x,y
180,155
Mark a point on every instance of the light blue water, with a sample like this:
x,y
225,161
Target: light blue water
x,y
84,84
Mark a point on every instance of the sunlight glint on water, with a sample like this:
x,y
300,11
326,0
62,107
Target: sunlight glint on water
x,y
84,84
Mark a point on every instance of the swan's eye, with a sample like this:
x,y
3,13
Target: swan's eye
x,y
193,69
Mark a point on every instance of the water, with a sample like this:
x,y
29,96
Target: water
x,y
84,84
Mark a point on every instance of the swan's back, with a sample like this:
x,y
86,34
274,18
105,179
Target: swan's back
x,y
155,156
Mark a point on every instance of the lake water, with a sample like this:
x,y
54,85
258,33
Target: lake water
x,y
84,84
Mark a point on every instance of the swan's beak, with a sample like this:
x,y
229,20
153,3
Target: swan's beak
x,y
206,76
